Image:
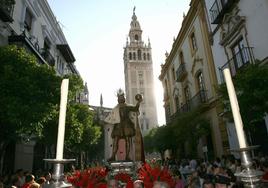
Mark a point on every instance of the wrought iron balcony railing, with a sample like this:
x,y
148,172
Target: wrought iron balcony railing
x,y
239,60
181,72
6,10
219,8
197,100
22,40
48,57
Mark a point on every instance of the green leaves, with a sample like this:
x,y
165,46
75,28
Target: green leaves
x,y
188,127
28,93
252,93
29,100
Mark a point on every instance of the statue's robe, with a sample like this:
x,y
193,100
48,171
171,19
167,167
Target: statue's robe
x,y
137,150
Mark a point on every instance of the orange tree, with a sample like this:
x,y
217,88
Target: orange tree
x,y
28,94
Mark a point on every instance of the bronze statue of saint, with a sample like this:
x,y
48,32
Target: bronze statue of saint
x,y
124,127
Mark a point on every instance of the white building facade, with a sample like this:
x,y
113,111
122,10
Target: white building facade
x,y
32,25
238,36
138,68
188,78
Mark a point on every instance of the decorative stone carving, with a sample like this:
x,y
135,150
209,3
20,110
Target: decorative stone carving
x,y
197,60
232,23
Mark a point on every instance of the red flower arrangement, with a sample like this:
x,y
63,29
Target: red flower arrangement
x,y
150,174
96,177
90,178
125,178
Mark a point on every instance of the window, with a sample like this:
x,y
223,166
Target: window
x,y
141,126
140,74
144,56
148,56
60,65
28,20
166,88
201,86
173,73
139,54
136,36
177,103
134,56
147,125
181,58
141,82
193,42
130,56
167,112
47,44
187,94
200,81
240,55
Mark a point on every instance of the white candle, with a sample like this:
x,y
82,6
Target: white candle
x,y
235,109
61,127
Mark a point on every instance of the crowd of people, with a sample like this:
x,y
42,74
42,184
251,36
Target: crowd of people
x,y
187,173
193,173
25,179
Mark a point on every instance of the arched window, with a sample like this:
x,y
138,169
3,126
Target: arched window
x,y
193,42
177,103
130,56
200,81
136,37
144,56
134,56
139,54
187,94
181,57
166,90
148,56
201,86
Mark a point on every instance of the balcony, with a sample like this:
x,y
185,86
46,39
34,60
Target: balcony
x,y
6,10
66,51
48,57
196,101
181,72
238,61
23,41
219,8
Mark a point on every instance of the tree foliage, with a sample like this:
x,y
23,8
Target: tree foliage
x,y
187,127
28,94
29,100
252,93
80,133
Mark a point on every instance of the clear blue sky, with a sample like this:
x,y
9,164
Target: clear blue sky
x,y
96,31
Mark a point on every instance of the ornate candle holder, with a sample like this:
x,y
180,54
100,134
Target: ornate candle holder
x,y
58,175
249,176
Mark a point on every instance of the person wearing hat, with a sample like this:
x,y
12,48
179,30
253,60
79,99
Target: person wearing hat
x,y
138,184
124,127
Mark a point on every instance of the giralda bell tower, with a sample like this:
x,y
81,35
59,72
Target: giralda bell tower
x,y
138,68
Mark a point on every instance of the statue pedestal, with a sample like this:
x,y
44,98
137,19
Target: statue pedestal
x,y
122,167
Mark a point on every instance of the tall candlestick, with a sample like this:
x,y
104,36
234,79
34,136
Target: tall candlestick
x,y
61,127
235,109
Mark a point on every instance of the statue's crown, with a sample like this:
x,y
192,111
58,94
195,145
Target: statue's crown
x,y
120,92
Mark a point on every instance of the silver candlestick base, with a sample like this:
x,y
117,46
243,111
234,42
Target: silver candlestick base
x,y
249,176
58,175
